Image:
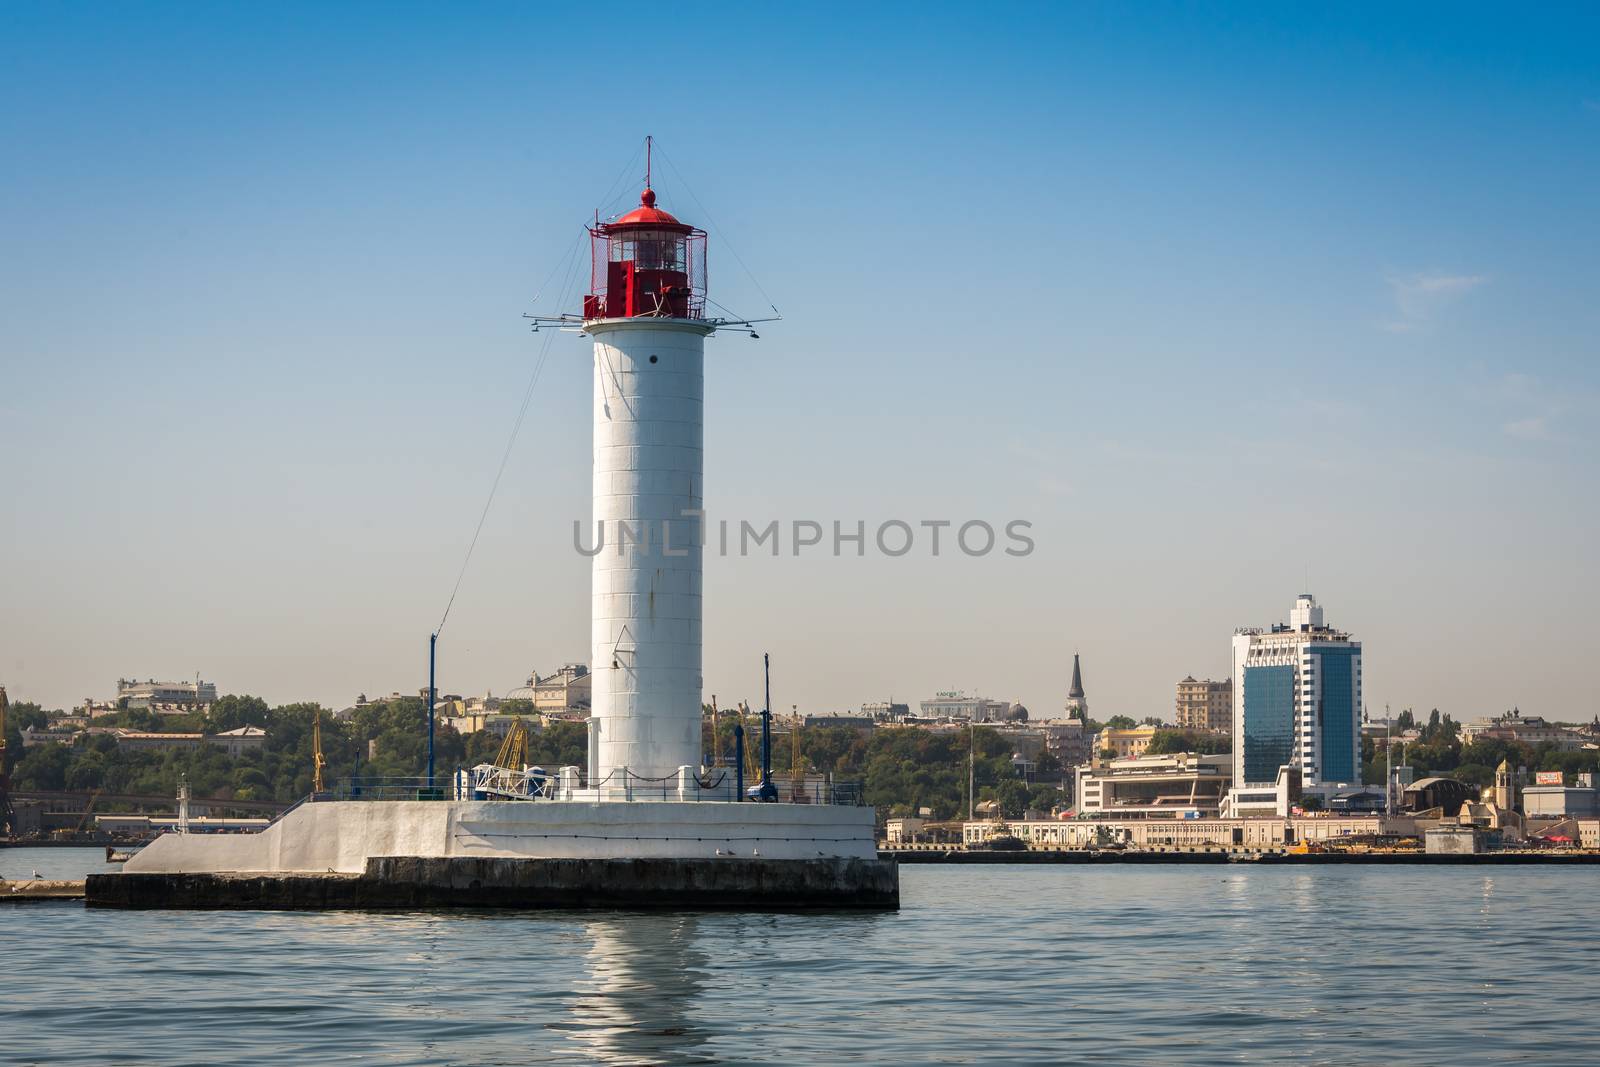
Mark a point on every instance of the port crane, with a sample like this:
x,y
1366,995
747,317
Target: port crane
x,y
797,776
513,754
318,761
509,777
88,810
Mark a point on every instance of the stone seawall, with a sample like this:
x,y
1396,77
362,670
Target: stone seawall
x,y
406,882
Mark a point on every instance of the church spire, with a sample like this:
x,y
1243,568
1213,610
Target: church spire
x,y
1077,703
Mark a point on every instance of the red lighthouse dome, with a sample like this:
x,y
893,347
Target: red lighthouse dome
x,y
647,214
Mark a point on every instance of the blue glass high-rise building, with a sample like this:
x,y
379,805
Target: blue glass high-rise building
x,y
1296,705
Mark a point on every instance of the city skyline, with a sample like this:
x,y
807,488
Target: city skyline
x,y
1227,314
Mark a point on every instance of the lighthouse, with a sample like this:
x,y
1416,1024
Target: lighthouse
x,y
645,822
645,313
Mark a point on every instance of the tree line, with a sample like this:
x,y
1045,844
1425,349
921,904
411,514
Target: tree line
x,y
901,770
380,739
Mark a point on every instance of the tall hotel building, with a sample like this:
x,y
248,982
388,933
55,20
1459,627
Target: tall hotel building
x,y
1296,704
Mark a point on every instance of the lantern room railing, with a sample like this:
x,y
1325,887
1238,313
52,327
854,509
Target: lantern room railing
x,y
642,272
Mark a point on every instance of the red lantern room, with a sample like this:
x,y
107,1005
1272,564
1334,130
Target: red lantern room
x,y
646,264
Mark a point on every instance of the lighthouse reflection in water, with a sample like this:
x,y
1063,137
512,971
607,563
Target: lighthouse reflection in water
x,y
636,1003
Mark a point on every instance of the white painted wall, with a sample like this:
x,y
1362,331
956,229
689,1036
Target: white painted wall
x,y
648,469
340,836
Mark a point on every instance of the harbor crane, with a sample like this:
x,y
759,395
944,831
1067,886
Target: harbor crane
x,y
318,761
513,754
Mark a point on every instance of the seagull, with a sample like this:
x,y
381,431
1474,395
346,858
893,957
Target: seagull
x,y
36,872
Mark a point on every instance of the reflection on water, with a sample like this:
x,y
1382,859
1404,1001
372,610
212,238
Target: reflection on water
x,y
635,1004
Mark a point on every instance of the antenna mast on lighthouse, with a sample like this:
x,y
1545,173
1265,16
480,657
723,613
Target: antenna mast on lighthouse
x,y
647,264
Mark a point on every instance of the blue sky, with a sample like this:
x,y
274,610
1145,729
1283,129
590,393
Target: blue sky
x,y
1224,300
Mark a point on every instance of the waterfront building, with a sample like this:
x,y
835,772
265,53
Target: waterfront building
x,y
1296,704
1205,705
903,831
1124,743
568,689
238,742
1068,740
1029,741
1527,729
840,719
233,742
1456,840
144,741
1358,800
92,709
498,723
1554,799
1269,832
1077,702
173,694
886,710
33,737
1178,785
1445,794
955,704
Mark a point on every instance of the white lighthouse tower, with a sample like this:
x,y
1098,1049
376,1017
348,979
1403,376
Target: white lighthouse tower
x,y
645,312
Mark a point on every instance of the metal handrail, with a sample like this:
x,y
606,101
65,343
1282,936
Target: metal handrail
x,y
715,786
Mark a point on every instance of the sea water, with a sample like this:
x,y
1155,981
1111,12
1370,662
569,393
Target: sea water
x,y
994,964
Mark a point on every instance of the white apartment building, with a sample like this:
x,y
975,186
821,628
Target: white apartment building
x,y
1180,785
954,704
151,692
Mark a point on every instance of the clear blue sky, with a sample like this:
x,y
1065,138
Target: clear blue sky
x,y
1226,300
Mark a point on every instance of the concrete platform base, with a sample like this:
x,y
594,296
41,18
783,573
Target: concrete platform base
x,y
407,882
41,889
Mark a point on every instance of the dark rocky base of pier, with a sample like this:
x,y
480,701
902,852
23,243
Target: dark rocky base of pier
x,y
408,882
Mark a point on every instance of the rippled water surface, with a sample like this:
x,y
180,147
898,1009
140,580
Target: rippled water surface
x,y
1102,965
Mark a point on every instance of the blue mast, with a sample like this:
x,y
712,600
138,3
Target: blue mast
x,y
766,791
738,761
433,641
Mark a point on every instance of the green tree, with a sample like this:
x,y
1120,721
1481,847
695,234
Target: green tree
x,y
1013,796
1198,741
231,712
43,768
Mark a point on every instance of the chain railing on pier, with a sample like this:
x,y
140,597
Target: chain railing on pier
x,y
715,785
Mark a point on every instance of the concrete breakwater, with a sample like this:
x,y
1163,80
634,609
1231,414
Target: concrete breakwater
x,y
405,882
41,889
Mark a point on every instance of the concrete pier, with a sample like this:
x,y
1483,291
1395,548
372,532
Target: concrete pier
x,y
41,889
407,882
